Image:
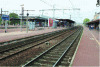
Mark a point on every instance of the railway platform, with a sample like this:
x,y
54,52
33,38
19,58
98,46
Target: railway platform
x,y
16,33
88,51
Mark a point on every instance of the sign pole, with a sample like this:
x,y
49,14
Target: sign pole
x,y
2,21
27,23
5,26
1,16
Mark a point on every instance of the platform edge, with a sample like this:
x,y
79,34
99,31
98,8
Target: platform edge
x,y
76,50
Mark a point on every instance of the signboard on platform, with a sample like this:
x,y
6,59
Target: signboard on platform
x,y
50,22
31,25
5,17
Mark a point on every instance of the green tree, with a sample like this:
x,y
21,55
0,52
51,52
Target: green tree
x,y
9,22
85,21
13,15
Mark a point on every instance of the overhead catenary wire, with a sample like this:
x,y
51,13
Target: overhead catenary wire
x,y
59,6
49,5
74,7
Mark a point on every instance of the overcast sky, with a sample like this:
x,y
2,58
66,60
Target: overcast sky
x,y
87,8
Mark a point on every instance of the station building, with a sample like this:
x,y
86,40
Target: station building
x,y
41,20
95,22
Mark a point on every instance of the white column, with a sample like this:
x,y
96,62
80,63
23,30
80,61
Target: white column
x,y
48,22
53,16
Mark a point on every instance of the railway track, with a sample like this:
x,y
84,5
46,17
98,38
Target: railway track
x,y
27,40
23,46
58,55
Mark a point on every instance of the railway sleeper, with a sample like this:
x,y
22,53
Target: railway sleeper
x,y
67,57
50,58
56,53
64,64
11,51
46,57
71,51
54,56
70,54
39,64
50,55
59,51
45,62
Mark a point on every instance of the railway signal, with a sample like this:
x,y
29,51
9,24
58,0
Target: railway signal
x,y
27,19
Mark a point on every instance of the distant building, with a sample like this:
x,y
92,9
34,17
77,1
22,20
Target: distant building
x,y
96,16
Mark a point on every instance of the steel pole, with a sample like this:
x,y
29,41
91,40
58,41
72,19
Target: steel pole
x,y
5,26
27,24
53,16
1,16
21,22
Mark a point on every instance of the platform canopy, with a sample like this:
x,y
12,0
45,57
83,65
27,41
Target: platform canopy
x,y
41,18
94,21
68,20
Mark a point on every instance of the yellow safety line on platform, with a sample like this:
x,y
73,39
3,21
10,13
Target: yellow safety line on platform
x,y
95,39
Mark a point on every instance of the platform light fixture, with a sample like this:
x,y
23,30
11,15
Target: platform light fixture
x,y
98,3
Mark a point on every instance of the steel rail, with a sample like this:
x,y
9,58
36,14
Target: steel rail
x,y
1,43
46,35
59,60
47,50
27,48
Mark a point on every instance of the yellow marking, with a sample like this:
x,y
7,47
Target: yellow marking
x,y
92,38
95,39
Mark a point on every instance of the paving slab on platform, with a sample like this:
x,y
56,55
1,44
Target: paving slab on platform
x,y
88,50
16,33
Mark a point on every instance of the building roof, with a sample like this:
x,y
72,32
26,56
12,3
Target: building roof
x,y
71,21
94,21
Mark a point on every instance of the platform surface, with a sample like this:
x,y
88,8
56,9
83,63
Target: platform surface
x,y
16,33
88,53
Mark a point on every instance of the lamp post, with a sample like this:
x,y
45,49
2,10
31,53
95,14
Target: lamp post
x,y
27,23
21,18
27,19
98,3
